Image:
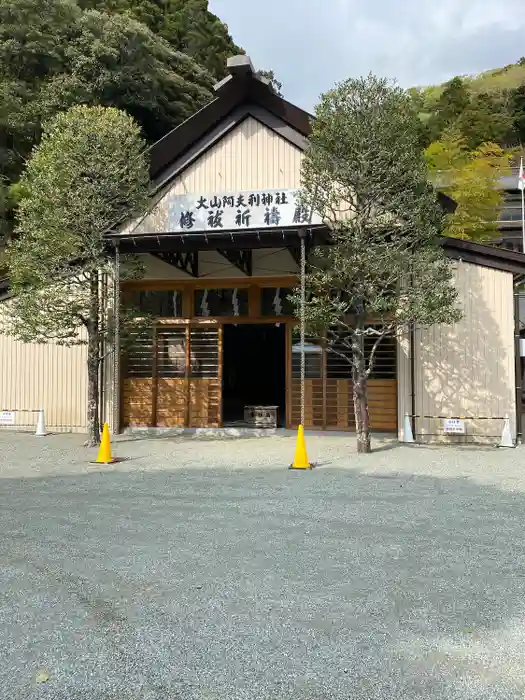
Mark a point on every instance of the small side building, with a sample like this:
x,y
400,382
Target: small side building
x,y
221,250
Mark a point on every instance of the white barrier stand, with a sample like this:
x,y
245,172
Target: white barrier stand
x,y
41,424
506,436
407,430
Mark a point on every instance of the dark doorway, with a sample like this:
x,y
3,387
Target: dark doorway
x,y
254,370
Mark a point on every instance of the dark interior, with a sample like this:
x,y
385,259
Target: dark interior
x,y
254,371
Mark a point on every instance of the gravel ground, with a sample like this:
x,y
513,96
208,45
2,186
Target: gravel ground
x,y
204,569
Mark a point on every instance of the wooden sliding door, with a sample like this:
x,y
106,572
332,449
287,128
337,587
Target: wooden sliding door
x,y
173,378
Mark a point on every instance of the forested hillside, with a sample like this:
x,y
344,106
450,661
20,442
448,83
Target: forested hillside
x,y
473,132
158,60
187,25
485,107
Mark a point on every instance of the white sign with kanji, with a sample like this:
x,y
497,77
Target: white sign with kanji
x,y
7,417
253,209
454,426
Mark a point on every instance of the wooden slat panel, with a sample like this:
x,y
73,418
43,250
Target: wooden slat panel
x,y
313,395
205,383
137,403
204,403
382,404
171,402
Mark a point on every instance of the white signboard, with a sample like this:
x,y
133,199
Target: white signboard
x,y
522,347
454,426
7,418
254,209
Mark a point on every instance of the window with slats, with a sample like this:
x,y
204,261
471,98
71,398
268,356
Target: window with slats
x,y
384,367
171,352
204,348
139,361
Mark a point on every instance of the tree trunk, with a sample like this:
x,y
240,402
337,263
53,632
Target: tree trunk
x,y
360,382
362,419
93,363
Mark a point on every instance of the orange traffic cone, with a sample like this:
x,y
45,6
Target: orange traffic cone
x,y
301,458
104,453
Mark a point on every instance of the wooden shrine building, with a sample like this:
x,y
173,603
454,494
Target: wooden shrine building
x,y
220,245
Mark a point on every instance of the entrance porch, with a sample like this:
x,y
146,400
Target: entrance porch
x,y
205,371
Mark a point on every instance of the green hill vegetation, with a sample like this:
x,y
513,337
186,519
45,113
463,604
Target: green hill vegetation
x,y
473,131
489,107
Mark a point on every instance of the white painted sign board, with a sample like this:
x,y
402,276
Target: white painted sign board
x,y
238,211
454,426
7,418
522,347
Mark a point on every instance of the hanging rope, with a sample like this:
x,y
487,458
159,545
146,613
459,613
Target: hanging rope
x,y
116,341
303,311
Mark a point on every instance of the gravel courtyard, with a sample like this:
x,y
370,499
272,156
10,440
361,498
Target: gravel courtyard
x,y
204,569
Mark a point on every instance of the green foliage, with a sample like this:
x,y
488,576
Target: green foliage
x,y
518,112
486,118
72,56
156,60
470,178
484,108
365,174
449,106
187,25
269,75
89,171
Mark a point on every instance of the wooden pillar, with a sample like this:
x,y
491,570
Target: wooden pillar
x,y
187,373
155,379
288,376
220,363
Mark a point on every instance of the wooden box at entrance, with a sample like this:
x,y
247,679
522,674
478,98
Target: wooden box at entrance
x,y
261,416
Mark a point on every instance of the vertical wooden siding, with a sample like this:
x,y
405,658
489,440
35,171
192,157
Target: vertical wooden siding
x,y
251,156
466,369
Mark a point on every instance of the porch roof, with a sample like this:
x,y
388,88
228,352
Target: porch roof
x,y
244,239
251,239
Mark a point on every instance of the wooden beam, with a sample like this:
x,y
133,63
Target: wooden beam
x,y
241,259
186,262
289,280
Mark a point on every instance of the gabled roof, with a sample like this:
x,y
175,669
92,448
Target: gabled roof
x,y
241,93
485,255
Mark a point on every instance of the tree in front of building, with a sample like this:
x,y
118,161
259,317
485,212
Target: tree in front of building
x,y
89,171
385,270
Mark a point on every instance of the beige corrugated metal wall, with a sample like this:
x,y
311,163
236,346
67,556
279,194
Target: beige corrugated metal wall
x,y
49,376
467,369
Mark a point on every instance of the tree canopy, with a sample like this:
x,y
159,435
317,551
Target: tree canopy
x,y
470,178
187,25
484,108
156,60
72,56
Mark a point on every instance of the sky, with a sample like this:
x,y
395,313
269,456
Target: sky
x,y
312,44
